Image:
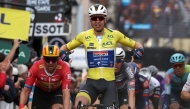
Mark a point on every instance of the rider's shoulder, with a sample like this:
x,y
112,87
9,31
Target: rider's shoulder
x,y
62,65
142,78
187,68
154,82
169,71
86,32
125,64
39,62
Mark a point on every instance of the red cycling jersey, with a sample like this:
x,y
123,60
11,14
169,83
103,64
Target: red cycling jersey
x,y
49,82
3,77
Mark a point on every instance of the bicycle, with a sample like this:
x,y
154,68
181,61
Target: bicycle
x,y
114,105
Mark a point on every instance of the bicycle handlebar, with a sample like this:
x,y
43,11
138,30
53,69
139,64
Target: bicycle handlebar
x,y
97,105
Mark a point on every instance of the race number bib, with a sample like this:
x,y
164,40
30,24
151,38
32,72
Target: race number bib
x,y
104,58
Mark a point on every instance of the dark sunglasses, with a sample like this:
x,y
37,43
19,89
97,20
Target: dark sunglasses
x,y
118,60
95,18
178,65
51,59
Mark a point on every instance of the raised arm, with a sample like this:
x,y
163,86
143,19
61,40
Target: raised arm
x,y
11,55
74,43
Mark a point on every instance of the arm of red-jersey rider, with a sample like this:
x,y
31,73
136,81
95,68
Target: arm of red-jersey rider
x,y
146,94
28,85
66,87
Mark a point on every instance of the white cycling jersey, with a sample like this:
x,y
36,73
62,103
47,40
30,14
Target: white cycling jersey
x,y
153,84
186,87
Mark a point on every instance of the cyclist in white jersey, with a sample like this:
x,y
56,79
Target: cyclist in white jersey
x,y
154,87
185,94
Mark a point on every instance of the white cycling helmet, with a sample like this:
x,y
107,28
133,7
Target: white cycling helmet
x,y
120,53
153,70
145,72
97,9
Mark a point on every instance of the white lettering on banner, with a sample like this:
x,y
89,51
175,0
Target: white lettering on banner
x,y
40,5
7,51
48,29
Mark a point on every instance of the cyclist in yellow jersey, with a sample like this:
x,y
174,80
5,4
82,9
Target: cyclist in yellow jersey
x,y
100,44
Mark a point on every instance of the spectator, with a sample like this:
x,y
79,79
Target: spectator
x,y
34,56
6,61
9,92
3,68
22,71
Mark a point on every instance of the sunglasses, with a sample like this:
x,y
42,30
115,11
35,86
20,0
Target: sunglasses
x,y
51,59
118,60
95,18
178,65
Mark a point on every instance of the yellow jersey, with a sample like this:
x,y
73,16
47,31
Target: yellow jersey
x,y
100,55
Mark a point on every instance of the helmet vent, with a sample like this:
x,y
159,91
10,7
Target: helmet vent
x,y
101,7
120,52
50,49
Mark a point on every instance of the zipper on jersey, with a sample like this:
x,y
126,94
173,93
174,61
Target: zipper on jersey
x,y
99,43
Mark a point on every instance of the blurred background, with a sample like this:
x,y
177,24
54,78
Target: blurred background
x,y
162,26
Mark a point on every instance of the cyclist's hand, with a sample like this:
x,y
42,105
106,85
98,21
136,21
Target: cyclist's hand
x,y
138,53
64,55
22,107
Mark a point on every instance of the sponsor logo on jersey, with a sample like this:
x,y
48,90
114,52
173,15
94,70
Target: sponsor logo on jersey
x,y
110,37
129,72
100,53
91,44
50,85
141,79
139,53
62,56
88,38
59,67
91,47
131,83
145,84
106,44
41,66
167,79
68,76
29,75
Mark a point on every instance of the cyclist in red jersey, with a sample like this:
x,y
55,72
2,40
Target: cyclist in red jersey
x,y
49,74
